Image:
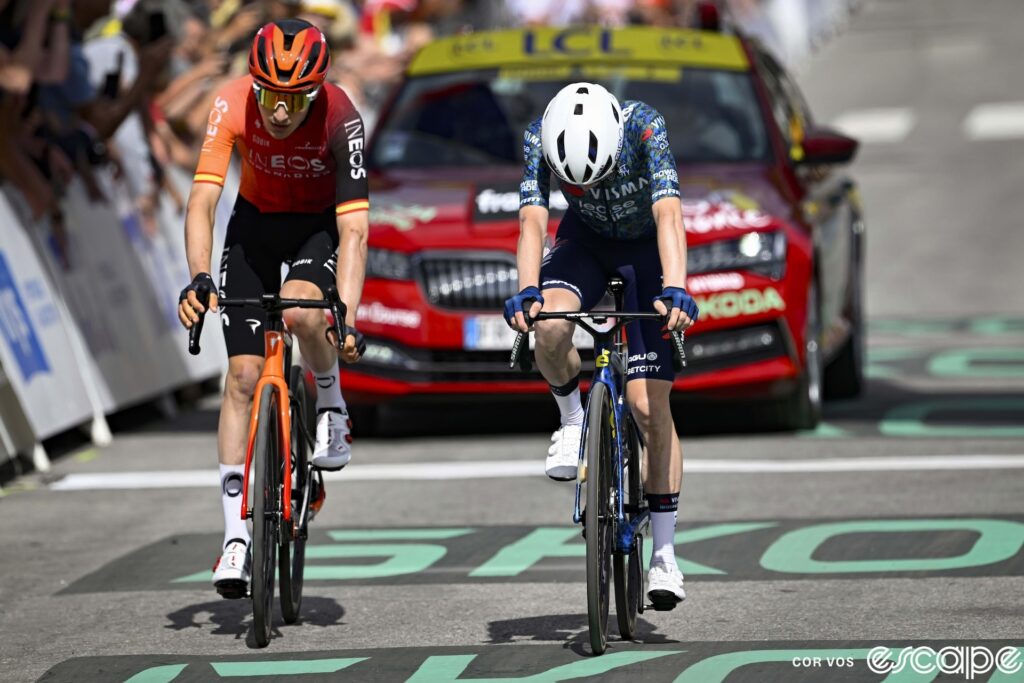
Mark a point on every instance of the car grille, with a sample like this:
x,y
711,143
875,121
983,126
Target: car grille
x,y
468,282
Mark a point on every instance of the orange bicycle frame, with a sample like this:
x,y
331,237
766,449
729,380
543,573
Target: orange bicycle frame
x,y
275,343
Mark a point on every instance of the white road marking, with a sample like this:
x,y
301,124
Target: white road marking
x,y
501,469
995,121
876,126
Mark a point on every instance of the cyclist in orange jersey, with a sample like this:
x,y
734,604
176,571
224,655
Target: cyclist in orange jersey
x,y
303,201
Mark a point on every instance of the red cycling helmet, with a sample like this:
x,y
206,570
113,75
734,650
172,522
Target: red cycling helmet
x,y
289,55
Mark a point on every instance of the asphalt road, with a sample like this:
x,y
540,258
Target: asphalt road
x,y
900,522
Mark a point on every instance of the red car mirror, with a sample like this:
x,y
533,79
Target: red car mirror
x,y
826,146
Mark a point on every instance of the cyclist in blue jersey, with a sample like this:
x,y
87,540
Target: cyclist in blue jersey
x,y
625,216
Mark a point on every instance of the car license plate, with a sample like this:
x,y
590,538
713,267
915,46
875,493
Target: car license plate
x,y
490,333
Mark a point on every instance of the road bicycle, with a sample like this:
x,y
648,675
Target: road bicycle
x,y
287,489
615,516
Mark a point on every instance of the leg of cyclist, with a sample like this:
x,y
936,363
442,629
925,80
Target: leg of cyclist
x,y
559,363
313,272
571,279
649,402
649,376
245,271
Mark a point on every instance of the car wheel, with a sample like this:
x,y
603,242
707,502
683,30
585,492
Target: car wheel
x,y
802,408
364,419
844,376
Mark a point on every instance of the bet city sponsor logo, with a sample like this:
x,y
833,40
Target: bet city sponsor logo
x,y
726,305
966,661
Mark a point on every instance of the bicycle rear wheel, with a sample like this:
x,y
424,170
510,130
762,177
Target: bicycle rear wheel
x,y
598,514
291,558
628,569
264,514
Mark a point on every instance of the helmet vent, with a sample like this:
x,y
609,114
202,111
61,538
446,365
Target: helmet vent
x,y
587,174
561,146
593,147
578,111
615,113
582,91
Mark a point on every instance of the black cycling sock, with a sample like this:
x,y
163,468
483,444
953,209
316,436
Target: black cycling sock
x,y
566,388
662,502
339,411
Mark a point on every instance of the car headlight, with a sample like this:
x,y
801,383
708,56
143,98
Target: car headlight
x,y
388,265
763,253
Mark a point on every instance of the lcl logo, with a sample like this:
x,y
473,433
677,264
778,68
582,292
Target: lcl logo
x,y
572,42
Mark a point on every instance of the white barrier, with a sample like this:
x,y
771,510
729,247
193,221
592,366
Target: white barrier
x,y
36,347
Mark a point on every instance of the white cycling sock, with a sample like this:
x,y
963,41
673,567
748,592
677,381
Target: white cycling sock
x,y
231,479
571,408
328,390
663,531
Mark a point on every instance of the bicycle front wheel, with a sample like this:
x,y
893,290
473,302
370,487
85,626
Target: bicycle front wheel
x,y
628,569
264,515
292,554
598,515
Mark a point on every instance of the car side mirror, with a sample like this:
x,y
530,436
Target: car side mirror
x,y
823,145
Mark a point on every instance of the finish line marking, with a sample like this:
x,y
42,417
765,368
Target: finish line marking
x,y
502,469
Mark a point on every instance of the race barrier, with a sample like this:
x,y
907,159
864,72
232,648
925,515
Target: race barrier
x,y
79,343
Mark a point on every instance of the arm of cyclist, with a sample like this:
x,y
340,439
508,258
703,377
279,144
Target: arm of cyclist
x,y
353,230
532,230
202,203
668,216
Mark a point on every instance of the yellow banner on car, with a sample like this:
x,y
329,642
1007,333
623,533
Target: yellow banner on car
x,y
579,45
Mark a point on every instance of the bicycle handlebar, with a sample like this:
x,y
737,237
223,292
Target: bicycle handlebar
x,y
271,303
621,318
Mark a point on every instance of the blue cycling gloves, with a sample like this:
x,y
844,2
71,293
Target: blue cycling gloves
x,y
677,297
516,303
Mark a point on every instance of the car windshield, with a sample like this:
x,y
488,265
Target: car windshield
x,y
477,118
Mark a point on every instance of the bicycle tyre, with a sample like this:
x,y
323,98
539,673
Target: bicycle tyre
x,y
291,557
264,506
628,569
598,515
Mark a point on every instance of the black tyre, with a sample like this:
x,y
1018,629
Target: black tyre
x,y
844,376
292,556
264,521
598,515
627,568
802,408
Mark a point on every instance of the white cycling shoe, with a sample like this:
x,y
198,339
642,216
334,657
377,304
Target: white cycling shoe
x,y
665,586
564,453
333,447
232,569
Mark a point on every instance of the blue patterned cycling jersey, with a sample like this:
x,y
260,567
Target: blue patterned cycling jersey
x,y
618,207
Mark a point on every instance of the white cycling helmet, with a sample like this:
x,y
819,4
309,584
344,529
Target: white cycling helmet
x,y
581,133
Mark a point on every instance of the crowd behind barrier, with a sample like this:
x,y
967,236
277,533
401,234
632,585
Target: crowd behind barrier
x,y
103,106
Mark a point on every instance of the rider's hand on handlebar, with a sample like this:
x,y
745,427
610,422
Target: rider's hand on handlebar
x,y
683,312
354,347
514,308
190,302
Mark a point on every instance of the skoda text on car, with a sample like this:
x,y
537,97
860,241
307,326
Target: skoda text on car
x,y
773,224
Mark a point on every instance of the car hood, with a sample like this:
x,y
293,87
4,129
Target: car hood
x,y
456,209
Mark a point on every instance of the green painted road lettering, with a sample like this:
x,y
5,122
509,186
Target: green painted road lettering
x,y
910,419
999,363
793,552
516,558
447,669
158,674
717,668
294,667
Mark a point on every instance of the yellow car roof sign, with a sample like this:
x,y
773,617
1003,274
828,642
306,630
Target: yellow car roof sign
x,y
579,45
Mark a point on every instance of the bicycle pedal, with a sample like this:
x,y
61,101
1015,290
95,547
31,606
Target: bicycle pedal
x,y
663,604
233,589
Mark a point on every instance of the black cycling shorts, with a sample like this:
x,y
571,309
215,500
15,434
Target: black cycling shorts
x,y
256,246
581,261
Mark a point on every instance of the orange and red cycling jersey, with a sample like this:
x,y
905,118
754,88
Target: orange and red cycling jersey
x,y
320,164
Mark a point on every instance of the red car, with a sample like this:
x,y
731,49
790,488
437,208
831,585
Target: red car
x,y
773,224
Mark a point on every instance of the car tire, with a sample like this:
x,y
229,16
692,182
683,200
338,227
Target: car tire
x,y
802,408
365,420
844,376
